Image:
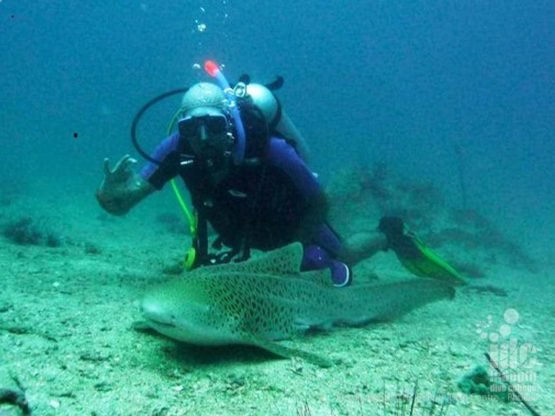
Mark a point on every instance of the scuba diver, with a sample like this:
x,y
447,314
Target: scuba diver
x,y
243,163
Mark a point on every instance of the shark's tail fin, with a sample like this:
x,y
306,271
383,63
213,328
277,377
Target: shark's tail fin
x,y
358,305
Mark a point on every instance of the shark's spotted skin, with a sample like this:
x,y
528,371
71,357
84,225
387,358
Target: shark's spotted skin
x,y
269,299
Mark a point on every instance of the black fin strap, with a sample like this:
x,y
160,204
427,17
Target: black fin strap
x,y
245,79
276,84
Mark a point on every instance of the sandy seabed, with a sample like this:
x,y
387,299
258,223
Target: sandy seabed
x,y
66,333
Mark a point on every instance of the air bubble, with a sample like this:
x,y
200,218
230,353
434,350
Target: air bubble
x,y
505,330
511,316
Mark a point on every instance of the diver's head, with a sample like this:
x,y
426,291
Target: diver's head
x,y
205,121
203,94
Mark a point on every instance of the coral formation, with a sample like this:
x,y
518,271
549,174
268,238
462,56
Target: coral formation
x,y
360,196
478,381
26,231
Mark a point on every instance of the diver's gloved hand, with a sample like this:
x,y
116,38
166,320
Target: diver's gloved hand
x,y
121,188
120,174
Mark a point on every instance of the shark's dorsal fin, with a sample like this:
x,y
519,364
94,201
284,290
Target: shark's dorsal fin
x,y
283,261
286,260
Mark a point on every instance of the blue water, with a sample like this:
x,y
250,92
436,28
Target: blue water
x,y
423,86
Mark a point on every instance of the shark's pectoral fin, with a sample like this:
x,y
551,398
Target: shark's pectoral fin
x,y
144,327
288,352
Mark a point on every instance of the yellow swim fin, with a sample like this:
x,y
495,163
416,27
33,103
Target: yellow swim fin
x,y
414,255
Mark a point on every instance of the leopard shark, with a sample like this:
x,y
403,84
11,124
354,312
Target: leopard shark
x,y
268,299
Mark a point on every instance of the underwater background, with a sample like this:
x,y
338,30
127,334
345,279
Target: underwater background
x,y
460,94
438,89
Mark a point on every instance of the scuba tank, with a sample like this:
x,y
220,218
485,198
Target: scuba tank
x,y
278,121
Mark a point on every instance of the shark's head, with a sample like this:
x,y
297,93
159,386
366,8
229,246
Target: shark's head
x,y
219,305
182,310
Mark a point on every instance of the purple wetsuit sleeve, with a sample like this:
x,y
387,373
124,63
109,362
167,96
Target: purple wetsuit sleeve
x,y
161,153
282,155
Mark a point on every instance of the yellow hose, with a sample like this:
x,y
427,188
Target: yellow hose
x,y
190,217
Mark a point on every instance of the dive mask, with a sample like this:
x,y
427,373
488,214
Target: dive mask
x,y
203,127
208,134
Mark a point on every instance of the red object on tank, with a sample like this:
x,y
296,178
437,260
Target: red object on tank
x,y
212,68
